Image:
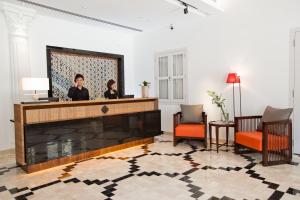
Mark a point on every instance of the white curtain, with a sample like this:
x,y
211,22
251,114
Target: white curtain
x,y
163,67
163,77
178,88
163,89
178,65
178,76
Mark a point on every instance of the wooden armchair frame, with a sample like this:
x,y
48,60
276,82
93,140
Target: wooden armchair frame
x,y
177,121
276,139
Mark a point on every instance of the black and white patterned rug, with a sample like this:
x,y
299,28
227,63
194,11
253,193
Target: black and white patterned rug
x,y
157,171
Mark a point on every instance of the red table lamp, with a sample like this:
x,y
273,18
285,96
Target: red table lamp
x,y
232,78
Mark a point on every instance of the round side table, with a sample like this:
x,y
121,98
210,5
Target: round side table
x,y
217,125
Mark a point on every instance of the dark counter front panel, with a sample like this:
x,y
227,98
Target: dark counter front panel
x,y
47,141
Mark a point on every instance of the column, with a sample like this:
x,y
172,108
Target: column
x,y
18,19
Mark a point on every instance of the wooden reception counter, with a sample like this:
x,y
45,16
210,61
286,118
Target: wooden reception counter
x,y
52,134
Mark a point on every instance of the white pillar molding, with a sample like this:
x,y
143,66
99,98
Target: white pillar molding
x,y
18,19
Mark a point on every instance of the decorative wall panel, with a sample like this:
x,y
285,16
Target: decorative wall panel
x,y
96,71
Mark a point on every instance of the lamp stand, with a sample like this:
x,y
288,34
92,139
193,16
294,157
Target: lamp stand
x,y
35,97
240,90
233,100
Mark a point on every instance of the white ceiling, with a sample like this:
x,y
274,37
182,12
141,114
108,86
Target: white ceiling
x,y
140,14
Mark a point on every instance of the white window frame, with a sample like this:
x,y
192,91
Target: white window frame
x,y
170,55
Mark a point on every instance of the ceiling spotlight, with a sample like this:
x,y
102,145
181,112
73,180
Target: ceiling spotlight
x,y
186,10
171,27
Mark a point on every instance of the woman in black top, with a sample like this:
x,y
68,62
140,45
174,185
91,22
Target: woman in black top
x,y
111,92
78,92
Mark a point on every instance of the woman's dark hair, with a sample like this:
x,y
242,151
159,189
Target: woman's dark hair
x,y
110,83
78,76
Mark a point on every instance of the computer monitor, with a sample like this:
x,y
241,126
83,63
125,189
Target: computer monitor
x,y
127,96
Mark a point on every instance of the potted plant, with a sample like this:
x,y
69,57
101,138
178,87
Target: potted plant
x,y
220,102
145,89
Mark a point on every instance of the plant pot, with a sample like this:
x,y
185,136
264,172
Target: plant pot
x,y
145,91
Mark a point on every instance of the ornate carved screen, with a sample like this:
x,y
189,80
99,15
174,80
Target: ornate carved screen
x,y
97,68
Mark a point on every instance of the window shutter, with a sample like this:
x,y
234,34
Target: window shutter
x,y
178,77
170,76
163,75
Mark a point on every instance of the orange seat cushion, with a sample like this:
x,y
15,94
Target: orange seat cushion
x,y
190,130
254,140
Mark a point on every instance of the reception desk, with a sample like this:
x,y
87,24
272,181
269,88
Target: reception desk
x,y
52,134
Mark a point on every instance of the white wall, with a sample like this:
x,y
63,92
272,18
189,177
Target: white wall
x,y
251,37
48,30
6,127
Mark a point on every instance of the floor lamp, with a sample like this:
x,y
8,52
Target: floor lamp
x,y
238,80
233,78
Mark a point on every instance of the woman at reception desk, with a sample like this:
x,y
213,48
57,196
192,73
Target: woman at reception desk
x,y
111,92
52,134
78,92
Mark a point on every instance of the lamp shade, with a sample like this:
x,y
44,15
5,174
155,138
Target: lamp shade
x,y
233,78
35,83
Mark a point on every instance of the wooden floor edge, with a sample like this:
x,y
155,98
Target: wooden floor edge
x,y
83,156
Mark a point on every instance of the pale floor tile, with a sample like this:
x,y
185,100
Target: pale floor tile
x,y
130,152
162,164
152,188
7,158
6,195
230,184
221,159
101,169
68,191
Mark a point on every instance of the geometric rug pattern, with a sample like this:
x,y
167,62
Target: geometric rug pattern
x,y
156,171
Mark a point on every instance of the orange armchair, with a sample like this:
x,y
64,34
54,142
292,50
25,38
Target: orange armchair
x,y
189,131
274,142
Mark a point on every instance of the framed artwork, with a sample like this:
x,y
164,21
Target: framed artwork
x,y
96,67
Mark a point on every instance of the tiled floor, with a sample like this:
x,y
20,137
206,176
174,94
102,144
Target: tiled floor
x,y
157,171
